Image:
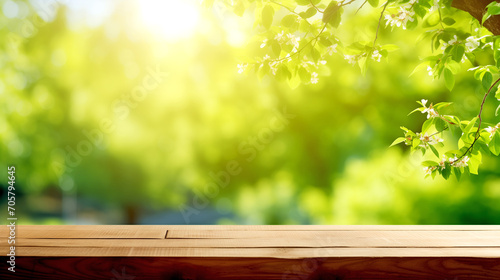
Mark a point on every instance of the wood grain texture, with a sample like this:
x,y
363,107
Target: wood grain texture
x,y
306,241
255,268
254,252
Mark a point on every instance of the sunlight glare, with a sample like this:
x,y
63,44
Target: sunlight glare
x,y
173,19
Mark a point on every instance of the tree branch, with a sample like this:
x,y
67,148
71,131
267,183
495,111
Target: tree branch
x,y
478,135
477,8
379,21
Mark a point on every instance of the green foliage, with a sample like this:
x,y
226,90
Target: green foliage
x,y
330,164
298,49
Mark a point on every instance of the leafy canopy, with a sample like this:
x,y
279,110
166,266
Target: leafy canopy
x,y
298,36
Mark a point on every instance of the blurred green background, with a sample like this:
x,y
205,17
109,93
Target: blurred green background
x,y
134,112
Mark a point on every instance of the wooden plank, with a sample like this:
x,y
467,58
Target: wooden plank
x,y
255,269
422,235
280,252
91,233
337,227
270,242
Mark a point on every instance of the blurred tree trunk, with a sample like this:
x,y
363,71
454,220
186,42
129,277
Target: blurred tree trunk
x,y
477,8
131,213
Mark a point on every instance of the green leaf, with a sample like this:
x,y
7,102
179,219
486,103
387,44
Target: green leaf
x,y
303,2
446,172
495,144
449,79
289,20
276,47
492,9
429,163
497,110
283,73
427,124
373,3
390,47
457,53
448,21
332,14
470,126
487,80
267,16
436,153
440,124
415,142
474,163
263,70
419,11
304,75
397,141
457,173
309,13
440,105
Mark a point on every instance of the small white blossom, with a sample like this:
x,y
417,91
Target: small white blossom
x,y
274,66
404,15
294,41
242,67
471,43
492,130
280,37
428,169
423,101
431,113
314,78
453,41
376,55
442,164
430,71
332,49
263,43
429,140
463,162
352,59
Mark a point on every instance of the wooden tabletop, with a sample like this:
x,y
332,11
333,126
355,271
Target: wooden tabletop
x,y
334,249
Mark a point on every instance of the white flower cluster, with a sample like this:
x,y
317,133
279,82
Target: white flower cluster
x,y
471,43
404,15
242,67
332,49
376,55
283,38
430,70
454,162
492,129
431,113
426,140
352,59
307,64
453,41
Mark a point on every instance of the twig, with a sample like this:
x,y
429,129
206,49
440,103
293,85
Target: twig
x,y
478,135
360,7
317,9
440,18
379,21
345,4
